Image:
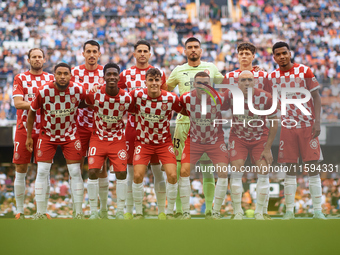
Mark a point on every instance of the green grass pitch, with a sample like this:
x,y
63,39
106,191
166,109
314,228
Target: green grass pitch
x,y
195,236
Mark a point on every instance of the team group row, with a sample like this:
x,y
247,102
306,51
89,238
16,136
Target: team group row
x,y
60,110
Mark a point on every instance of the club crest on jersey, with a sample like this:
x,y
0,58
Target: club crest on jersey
x,y
16,156
213,109
101,80
91,160
223,147
122,154
77,145
121,108
207,71
164,107
39,153
171,150
73,100
313,144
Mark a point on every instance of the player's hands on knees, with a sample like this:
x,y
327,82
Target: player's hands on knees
x,y
29,144
267,155
316,130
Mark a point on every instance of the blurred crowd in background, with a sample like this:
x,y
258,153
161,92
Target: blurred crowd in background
x,y
312,28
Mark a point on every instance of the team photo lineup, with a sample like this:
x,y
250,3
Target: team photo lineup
x,y
82,109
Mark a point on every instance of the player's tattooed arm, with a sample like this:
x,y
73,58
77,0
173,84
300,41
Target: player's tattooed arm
x,y
317,110
30,121
267,153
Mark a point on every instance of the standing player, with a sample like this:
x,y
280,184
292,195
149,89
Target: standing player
x,y
108,140
299,137
249,135
204,137
246,55
153,108
25,86
89,75
131,79
58,102
183,76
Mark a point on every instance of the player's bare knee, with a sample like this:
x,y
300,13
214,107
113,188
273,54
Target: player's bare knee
x,y
172,177
21,168
93,173
121,175
137,177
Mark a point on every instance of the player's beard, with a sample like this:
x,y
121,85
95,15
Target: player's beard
x,y
61,87
36,68
193,59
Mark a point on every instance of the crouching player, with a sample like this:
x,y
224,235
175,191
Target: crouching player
x,y
108,139
250,135
153,111
58,102
204,137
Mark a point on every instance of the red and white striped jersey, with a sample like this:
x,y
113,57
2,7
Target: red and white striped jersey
x,y
153,115
299,76
134,77
25,85
109,112
202,129
59,110
88,79
261,79
250,126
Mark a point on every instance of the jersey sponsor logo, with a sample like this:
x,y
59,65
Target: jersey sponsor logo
x,y
152,117
16,156
62,112
223,147
202,122
171,149
31,96
122,154
39,153
313,144
164,107
186,74
109,119
77,145
91,160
